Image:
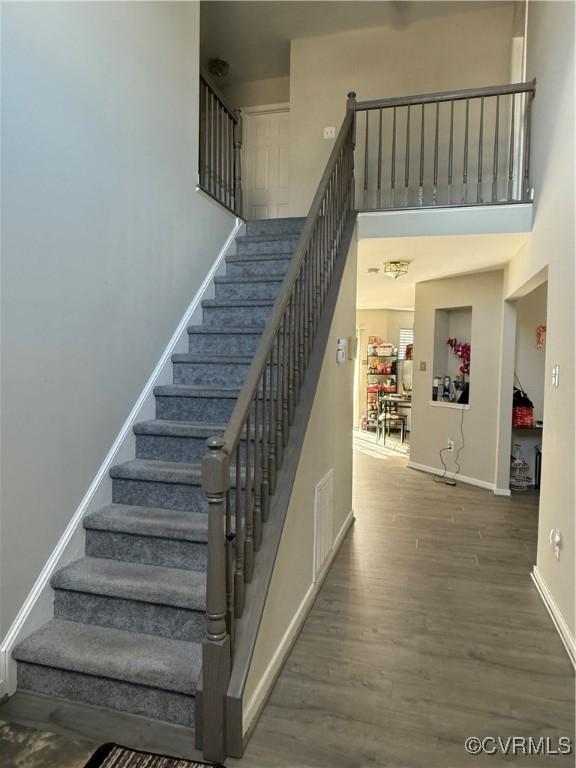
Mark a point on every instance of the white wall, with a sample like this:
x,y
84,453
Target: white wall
x,y
433,425
460,50
257,93
104,241
327,445
551,60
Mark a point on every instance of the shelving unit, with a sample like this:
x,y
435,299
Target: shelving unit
x,y
379,379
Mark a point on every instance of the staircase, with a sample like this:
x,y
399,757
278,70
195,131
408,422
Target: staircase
x,y
130,616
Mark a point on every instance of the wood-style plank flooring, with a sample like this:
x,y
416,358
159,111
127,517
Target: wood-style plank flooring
x,y
428,630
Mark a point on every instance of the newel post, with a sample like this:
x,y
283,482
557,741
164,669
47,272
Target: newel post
x,y
238,162
216,647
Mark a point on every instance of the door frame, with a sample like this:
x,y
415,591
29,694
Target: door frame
x,y
263,109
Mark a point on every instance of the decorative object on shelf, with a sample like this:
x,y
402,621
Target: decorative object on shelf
x,y
395,269
520,480
522,409
463,351
540,336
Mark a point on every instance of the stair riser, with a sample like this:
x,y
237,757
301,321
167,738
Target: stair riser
x,y
265,246
185,450
130,615
130,548
112,694
167,448
222,343
274,227
237,317
268,290
178,496
185,498
215,410
210,374
246,268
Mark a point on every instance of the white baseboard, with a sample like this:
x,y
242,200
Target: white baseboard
x,y
454,476
253,707
502,492
557,618
37,608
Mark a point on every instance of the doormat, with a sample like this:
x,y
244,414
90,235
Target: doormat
x,y
114,756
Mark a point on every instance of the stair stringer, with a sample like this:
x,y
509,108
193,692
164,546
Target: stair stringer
x,y
37,609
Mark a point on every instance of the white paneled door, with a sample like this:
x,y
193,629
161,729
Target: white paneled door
x,y
265,177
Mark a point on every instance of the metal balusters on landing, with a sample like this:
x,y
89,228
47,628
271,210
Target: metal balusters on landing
x,y
421,174
511,150
495,163
465,159
220,142
379,180
452,145
435,179
480,151
407,158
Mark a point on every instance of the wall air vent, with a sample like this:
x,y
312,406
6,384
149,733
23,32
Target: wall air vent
x,y
323,522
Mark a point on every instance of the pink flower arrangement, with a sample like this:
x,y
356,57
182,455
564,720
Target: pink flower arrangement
x,y
462,350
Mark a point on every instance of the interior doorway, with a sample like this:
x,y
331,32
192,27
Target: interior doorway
x,y
266,161
529,381
383,392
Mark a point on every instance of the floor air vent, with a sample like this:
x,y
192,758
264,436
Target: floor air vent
x,y
323,522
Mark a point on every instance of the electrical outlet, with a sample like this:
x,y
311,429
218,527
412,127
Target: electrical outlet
x,y
450,445
330,132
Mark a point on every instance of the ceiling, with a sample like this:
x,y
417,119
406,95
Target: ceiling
x,y
430,258
254,36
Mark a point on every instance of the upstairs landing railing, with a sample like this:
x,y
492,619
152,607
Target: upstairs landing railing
x,y
220,145
453,148
239,471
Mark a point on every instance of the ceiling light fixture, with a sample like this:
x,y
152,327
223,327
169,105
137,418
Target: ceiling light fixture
x,y
395,269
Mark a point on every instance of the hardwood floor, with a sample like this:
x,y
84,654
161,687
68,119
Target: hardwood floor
x,y
428,630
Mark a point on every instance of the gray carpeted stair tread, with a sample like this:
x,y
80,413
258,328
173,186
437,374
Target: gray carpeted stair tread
x,y
269,236
226,303
188,390
166,427
218,330
243,280
272,256
148,660
153,471
149,521
187,357
134,581
288,225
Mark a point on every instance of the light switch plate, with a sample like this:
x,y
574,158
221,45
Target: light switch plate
x,y
422,365
556,376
